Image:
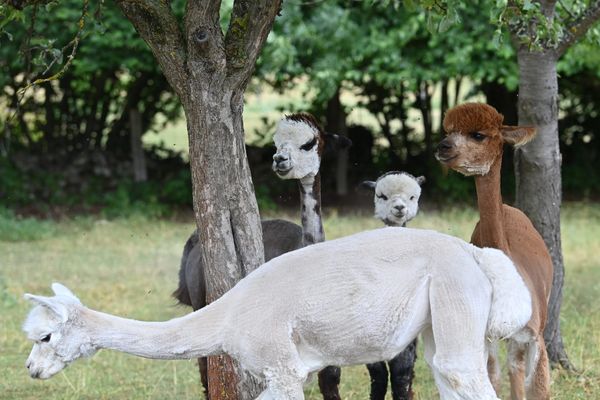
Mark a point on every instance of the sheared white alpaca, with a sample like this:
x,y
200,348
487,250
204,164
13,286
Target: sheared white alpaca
x,y
396,202
317,306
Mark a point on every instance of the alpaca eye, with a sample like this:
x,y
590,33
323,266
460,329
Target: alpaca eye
x,y
46,338
309,145
382,196
412,197
478,136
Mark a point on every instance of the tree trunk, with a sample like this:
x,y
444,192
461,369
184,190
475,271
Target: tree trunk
x,y
226,211
538,177
336,123
140,173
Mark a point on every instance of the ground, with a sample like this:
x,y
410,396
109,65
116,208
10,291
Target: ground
x,y
129,267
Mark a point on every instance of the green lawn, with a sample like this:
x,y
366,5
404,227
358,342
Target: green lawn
x,y
129,267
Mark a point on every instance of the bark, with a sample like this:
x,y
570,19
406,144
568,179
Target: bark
x,y
538,176
226,211
336,123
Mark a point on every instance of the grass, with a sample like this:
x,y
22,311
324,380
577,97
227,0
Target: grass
x,y
129,267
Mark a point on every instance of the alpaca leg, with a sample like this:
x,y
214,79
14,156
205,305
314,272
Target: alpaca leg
x,y
329,380
280,391
203,368
379,380
538,374
459,316
402,372
493,366
428,353
516,369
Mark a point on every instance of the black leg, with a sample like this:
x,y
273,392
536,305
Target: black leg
x,y
329,380
402,372
203,367
379,380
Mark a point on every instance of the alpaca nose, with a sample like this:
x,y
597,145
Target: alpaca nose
x,y
279,158
399,207
444,145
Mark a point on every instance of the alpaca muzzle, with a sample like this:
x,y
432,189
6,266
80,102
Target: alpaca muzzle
x,y
445,151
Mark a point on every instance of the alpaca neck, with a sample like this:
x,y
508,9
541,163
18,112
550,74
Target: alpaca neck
x,y
194,335
310,199
489,202
387,222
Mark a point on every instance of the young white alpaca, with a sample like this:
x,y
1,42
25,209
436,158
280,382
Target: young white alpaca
x,y
318,306
396,197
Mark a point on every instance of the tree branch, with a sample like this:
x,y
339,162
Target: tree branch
x,y
157,25
204,37
579,27
248,29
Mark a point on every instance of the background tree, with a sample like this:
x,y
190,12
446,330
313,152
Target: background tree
x,y
542,32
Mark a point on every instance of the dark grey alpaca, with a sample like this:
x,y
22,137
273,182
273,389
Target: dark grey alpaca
x,y
396,202
300,143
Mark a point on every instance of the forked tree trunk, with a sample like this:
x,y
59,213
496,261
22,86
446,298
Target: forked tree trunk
x,y
209,70
538,176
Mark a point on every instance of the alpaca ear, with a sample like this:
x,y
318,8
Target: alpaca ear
x,y
62,290
420,180
335,142
517,135
367,185
55,306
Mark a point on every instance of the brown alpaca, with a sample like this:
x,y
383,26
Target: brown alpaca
x,y
473,146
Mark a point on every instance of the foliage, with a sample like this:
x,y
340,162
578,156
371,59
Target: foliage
x,y
41,191
87,111
391,64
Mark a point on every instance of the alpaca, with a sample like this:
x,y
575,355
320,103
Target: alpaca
x,y
298,157
317,306
396,202
473,146
301,144
396,197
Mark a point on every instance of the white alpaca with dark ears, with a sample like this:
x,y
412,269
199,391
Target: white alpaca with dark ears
x,y
301,142
396,197
298,155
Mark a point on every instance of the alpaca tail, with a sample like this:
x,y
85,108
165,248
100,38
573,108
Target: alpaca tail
x,y
182,293
511,301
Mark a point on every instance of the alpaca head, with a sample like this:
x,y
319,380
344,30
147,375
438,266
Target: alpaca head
x,y
58,337
475,137
396,197
300,143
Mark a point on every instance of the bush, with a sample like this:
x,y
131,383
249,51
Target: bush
x,y
15,229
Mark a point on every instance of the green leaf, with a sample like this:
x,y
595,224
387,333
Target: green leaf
x,y
528,5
